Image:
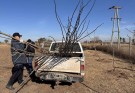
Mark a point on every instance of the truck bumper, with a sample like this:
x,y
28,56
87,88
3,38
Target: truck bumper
x,y
63,77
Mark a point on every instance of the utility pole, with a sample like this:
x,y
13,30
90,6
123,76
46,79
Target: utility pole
x,y
115,20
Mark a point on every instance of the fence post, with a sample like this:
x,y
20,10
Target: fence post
x,y
130,45
113,59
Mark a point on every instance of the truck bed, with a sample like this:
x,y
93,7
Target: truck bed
x,y
61,64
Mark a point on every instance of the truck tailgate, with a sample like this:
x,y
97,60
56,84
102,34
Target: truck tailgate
x,y
61,64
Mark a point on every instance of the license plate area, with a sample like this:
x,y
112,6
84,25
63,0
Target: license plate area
x,y
56,76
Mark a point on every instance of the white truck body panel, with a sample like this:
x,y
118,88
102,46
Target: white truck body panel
x,y
61,64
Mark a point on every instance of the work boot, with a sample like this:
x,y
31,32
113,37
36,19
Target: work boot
x,y
10,87
21,83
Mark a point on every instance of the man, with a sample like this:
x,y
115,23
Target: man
x,y
18,58
30,55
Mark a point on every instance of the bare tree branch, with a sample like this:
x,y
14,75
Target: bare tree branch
x,y
59,20
52,38
83,31
87,13
70,22
91,32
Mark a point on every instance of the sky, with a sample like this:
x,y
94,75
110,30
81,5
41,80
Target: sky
x,y
36,18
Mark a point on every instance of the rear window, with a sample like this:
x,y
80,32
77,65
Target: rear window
x,y
56,46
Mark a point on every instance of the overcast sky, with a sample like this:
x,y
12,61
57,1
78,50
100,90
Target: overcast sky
x,y
36,18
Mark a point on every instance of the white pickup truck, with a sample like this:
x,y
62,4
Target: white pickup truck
x,y
63,69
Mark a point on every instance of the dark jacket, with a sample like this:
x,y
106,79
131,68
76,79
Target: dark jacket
x,y
18,55
30,49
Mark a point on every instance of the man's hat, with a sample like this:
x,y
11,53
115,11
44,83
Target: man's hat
x,y
29,40
17,34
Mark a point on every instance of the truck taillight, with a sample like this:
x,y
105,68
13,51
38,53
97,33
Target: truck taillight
x,y
82,70
82,67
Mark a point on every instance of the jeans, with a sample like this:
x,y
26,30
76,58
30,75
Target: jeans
x,y
29,64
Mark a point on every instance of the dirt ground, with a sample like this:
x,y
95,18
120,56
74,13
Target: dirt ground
x,y
99,78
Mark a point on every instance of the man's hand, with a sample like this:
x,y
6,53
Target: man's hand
x,y
21,40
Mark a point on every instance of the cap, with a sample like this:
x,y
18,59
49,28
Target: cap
x,y
29,40
17,34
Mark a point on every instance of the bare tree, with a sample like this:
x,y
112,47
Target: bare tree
x,y
6,41
40,40
75,31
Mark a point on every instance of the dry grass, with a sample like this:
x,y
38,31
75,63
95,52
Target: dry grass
x,y
123,52
89,46
99,76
